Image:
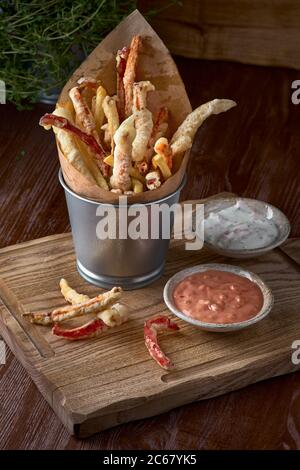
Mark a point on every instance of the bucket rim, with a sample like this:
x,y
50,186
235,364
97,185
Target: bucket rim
x,y
94,201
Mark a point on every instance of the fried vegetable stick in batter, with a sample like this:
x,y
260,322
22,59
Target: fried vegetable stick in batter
x,y
90,306
122,156
121,58
95,148
142,119
182,140
130,71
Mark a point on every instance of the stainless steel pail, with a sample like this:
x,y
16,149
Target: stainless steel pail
x,y
116,262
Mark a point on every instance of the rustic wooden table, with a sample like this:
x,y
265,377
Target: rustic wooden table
x,y
252,151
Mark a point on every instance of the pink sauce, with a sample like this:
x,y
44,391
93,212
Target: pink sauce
x,y
218,297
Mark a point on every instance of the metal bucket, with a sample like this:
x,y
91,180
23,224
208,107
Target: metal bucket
x,y
116,262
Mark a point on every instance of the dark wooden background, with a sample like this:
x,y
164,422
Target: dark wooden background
x,y
253,151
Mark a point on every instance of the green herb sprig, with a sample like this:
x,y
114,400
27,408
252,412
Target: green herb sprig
x,y
42,43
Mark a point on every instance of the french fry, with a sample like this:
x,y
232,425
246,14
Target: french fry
x,y
137,186
158,161
162,147
137,175
111,113
98,111
109,160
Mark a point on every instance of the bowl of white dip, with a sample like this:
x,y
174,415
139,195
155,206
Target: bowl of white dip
x,y
243,228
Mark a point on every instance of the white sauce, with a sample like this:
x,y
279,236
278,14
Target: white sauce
x,y
240,227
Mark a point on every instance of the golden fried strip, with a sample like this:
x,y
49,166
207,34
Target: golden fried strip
x,y
158,161
70,294
162,148
98,108
90,306
182,140
137,186
72,149
121,59
122,156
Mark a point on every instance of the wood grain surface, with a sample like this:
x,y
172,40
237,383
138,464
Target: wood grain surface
x,y
99,383
260,32
255,154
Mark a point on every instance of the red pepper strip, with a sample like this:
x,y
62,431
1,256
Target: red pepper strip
x,y
90,329
151,327
122,56
63,123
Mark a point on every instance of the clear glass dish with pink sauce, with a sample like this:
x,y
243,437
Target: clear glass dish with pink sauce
x,y
218,297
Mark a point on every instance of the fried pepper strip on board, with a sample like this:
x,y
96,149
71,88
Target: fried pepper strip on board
x,y
88,330
122,156
63,123
90,306
142,119
114,316
130,71
182,140
151,328
121,58
94,305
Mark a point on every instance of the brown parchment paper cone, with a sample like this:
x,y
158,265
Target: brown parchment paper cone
x,y
155,64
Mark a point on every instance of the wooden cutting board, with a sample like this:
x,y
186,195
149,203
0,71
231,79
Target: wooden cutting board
x,y
99,383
